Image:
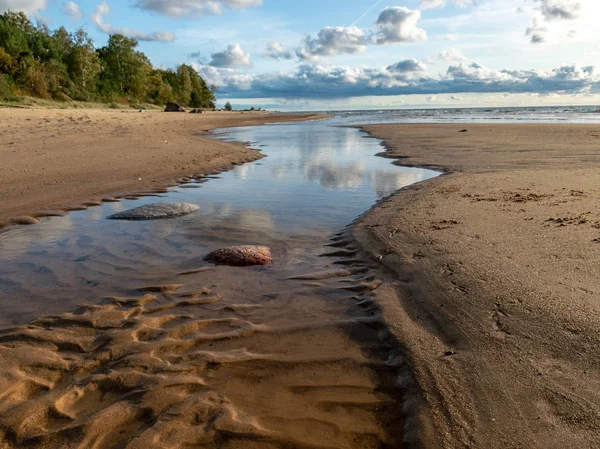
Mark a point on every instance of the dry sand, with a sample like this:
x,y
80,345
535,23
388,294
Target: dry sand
x,y
493,281
57,159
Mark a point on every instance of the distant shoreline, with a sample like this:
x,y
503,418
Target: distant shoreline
x,y
491,280
58,159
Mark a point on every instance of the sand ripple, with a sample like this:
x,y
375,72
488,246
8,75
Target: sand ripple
x,y
180,369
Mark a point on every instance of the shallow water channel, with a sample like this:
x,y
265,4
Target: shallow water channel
x,y
170,351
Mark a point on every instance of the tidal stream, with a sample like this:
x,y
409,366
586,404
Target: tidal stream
x,y
170,351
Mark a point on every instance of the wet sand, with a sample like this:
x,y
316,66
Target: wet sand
x,y
491,281
65,158
186,354
223,358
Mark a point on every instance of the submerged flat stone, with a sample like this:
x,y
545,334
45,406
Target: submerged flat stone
x,y
241,256
156,211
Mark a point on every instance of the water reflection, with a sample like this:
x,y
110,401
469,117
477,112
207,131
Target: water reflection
x,y
314,170
330,175
316,179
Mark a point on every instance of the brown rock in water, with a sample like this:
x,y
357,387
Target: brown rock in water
x,y
174,107
241,256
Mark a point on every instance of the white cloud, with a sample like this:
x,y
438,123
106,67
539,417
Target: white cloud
x,y
408,65
560,9
331,41
399,24
394,25
27,6
223,77
551,10
477,73
430,4
275,50
72,10
321,82
233,57
186,8
98,19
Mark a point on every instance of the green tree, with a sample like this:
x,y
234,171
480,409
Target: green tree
x,y
37,61
184,84
14,30
7,63
189,89
126,70
228,106
84,67
7,88
32,77
159,89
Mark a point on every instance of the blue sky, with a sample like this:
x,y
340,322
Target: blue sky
x,y
340,54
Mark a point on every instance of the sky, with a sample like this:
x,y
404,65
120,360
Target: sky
x,y
359,54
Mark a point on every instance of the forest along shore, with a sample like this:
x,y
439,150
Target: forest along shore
x,y
59,159
493,281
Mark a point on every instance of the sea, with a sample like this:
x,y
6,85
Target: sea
x,y
553,114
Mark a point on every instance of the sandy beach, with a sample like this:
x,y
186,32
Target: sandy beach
x,y
492,281
459,312
62,158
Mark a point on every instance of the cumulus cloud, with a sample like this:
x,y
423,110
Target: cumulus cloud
x,y
186,8
233,57
331,41
560,9
98,19
408,65
72,10
430,4
399,24
224,78
27,6
477,73
319,81
275,50
394,25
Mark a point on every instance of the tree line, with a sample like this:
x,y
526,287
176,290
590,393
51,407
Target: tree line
x,y
38,62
